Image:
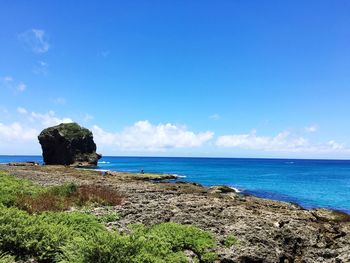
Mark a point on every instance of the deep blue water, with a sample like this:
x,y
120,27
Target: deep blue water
x,y
310,183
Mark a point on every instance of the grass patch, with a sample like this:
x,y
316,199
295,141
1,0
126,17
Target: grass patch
x,y
37,199
109,217
11,188
93,194
230,241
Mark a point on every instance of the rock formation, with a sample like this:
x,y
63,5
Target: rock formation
x,y
68,144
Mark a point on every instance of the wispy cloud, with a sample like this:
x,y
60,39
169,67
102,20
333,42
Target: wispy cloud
x,y
41,68
36,40
105,53
215,117
88,117
48,119
59,101
10,83
22,110
282,142
312,128
21,87
145,136
44,119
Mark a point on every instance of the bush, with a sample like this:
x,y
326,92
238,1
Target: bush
x,y
77,237
42,236
11,187
93,194
110,217
160,243
5,258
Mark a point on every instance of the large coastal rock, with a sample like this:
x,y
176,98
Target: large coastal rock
x,y
68,144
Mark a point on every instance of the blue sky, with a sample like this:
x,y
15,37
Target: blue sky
x,y
179,78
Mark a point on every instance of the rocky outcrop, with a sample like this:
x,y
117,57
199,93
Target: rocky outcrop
x,y
266,231
23,164
68,144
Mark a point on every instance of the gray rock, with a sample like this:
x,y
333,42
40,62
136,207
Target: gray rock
x,y
222,189
68,144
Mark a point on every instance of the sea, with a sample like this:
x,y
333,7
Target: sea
x,y
308,183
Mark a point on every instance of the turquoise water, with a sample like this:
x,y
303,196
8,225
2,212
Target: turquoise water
x,y
310,183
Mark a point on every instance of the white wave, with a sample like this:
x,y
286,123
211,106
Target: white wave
x,y
179,176
101,170
103,162
236,189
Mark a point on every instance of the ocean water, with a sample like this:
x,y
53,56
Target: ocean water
x,y
309,183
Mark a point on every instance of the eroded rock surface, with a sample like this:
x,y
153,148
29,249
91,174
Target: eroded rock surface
x,y
68,144
267,231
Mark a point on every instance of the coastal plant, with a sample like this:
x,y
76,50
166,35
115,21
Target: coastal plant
x,y
41,202
108,217
6,258
32,226
93,194
63,190
11,187
42,236
231,240
159,243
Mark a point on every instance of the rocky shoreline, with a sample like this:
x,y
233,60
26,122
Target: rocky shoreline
x,y
266,230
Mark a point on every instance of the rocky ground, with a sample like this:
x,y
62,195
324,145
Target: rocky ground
x,y
267,231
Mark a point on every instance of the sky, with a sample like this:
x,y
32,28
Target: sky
x,y
221,78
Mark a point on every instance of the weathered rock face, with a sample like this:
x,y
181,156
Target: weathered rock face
x,y
68,144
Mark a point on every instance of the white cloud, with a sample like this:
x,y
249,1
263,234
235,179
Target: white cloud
x,y
41,67
215,117
36,40
21,87
10,83
282,142
312,128
59,101
17,131
7,79
144,136
19,136
88,117
48,119
22,110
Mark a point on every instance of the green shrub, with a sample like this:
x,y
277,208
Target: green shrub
x,y
5,258
160,243
107,218
11,188
230,241
63,190
78,237
42,236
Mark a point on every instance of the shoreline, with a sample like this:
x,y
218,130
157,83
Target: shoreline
x,y
267,230
171,178
245,192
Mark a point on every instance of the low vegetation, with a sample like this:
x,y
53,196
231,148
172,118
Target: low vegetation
x,y
36,199
231,240
35,225
4,258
